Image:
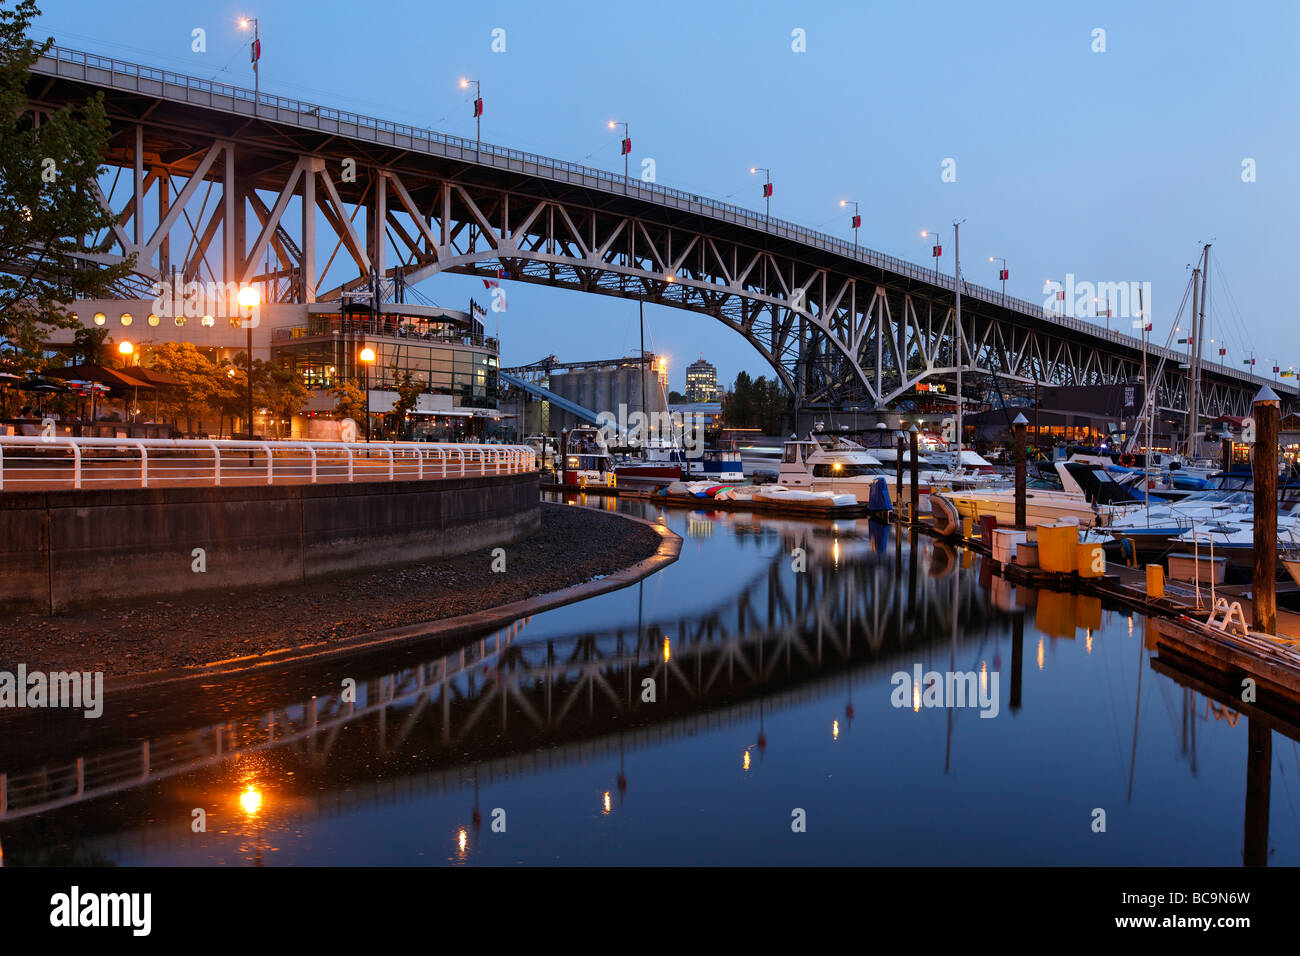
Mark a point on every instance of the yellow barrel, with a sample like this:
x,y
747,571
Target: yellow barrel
x,y
1091,560
1155,581
1057,547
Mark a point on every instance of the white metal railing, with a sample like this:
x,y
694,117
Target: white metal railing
x,y
35,463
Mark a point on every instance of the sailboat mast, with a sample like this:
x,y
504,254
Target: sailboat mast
x,y
961,351
1191,362
1200,337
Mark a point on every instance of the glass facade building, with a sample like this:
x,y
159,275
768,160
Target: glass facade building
x,y
445,351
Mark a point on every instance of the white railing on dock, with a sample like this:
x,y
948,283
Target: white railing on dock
x,y
34,463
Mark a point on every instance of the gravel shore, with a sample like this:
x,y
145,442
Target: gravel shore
x,y
574,545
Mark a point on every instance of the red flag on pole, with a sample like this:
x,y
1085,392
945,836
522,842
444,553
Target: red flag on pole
x,y
857,221
478,107
767,190
255,51
627,146
936,252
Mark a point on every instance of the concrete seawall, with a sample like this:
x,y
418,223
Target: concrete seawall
x,y
63,549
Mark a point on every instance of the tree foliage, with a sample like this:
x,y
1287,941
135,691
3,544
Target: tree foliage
x,y
349,400
49,170
754,403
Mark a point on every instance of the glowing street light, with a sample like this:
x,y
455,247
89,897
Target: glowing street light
x,y
248,299
626,145
478,112
255,54
936,248
767,185
856,221
1003,274
367,356
126,348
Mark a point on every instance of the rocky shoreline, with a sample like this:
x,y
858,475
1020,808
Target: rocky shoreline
x,y
574,545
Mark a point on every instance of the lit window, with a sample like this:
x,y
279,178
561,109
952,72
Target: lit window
x,y
180,321
153,319
126,318
100,318
208,321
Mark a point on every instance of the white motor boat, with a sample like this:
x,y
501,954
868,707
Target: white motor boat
x,y
826,462
1088,494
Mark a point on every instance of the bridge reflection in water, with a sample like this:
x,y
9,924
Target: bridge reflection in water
x,y
262,756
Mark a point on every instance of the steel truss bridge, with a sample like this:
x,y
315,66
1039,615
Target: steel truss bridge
x,y
219,184
508,705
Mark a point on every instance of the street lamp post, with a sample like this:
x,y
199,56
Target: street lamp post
x,y
856,221
478,113
248,299
367,356
126,350
1003,274
255,54
626,145
767,186
936,249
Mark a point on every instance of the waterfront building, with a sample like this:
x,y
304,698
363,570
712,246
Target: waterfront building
x,y
701,382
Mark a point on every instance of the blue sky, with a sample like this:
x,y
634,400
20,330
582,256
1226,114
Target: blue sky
x,y
1112,166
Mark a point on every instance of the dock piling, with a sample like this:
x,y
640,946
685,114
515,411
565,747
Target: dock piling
x,y
898,478
916,474
1020,425
1267,409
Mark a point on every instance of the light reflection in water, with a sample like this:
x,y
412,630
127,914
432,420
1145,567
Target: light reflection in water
x,y
792,651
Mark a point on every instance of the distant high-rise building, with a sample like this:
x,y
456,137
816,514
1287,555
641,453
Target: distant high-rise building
x,y
701,381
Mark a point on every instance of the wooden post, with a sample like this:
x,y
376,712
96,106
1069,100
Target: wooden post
x,y
1259,761
1225,460
1020,424
898,479
1267,409
916,474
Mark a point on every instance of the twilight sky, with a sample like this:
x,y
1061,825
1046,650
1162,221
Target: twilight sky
x,y
1111,166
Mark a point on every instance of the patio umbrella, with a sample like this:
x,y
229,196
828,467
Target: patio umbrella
x,y
42,387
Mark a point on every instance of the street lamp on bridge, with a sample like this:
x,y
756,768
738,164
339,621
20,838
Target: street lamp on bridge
x,y
767,185
626,145
478,112
936,248
856,221
255,54
1003,274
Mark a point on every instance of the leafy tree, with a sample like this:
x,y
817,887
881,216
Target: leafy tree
x,y
280,390
48,205
199,390
408,392
88,347
349,400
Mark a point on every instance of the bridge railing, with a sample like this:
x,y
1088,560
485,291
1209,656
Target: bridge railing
x,y
34,463
488,154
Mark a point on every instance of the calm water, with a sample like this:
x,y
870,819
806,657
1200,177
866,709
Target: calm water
x,y
774,693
